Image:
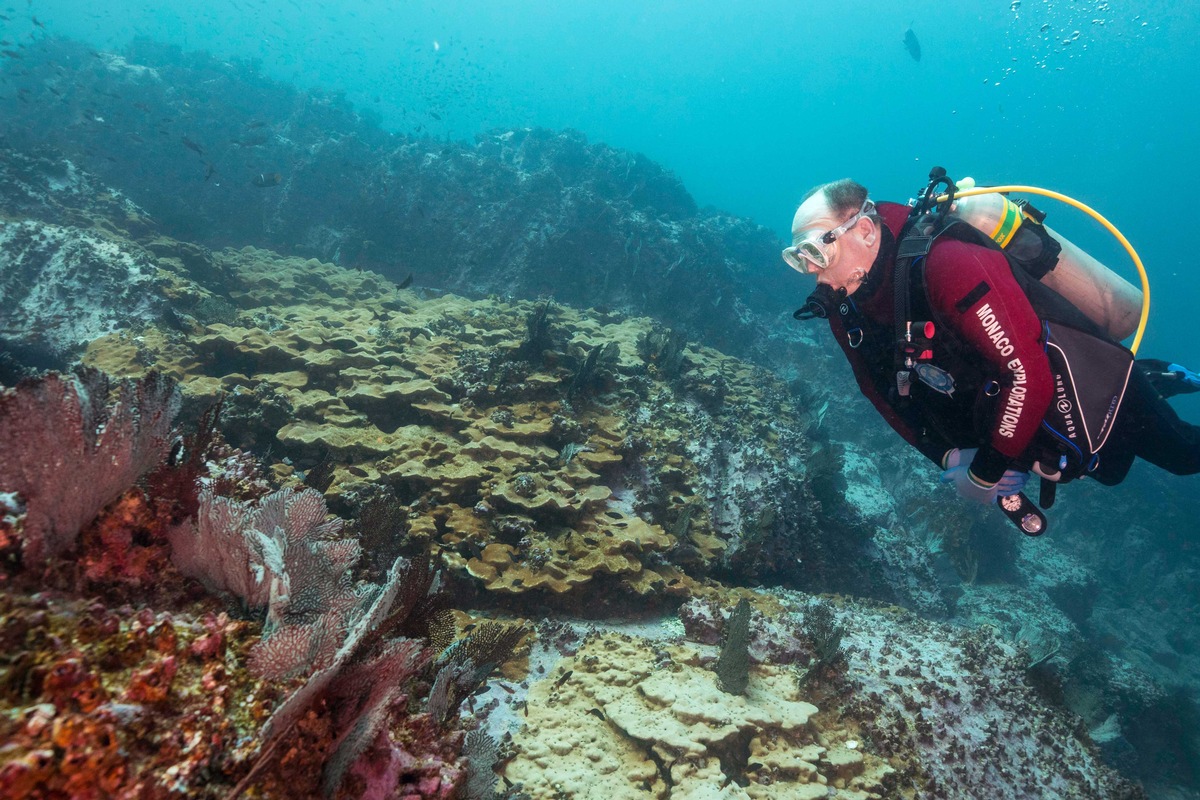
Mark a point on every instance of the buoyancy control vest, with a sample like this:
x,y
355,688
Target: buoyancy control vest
x,y
1090,372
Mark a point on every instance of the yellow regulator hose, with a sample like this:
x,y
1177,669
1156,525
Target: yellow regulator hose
x,y
1096,215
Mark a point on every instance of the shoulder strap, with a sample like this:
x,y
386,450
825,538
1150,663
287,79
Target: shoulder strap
x,y
912,247
916,240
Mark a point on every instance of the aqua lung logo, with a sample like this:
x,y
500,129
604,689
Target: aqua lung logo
x,y
1064,405
1010,417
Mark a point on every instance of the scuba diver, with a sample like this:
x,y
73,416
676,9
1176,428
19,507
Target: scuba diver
x,y
994,354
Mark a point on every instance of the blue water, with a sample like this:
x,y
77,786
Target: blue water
x,y
751,103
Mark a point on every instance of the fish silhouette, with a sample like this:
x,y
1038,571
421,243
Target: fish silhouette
x,y
912,45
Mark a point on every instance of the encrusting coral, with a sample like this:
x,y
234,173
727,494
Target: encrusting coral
x,y
629,718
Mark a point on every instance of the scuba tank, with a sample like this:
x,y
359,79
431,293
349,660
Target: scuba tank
x,y
1106,298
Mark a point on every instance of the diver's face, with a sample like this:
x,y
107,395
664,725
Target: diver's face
x,y
847,259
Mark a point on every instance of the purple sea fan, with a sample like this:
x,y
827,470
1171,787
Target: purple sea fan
x,y
293,649
70,445
362,697
361,718
277,555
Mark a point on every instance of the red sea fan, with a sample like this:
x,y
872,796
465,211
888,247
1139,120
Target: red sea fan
x,y
399,661
70,445
363,696
278,554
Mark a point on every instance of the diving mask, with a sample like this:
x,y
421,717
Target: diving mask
x,y
814,247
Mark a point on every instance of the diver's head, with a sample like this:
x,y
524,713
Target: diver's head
x,y
835,235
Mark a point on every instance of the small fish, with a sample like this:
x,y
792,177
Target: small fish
x,y
435,115
266,179
190,145
37,22
209,172
407,282
563,678
911,44
10,53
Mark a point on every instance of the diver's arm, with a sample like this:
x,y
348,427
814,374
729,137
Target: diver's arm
x,y
973,290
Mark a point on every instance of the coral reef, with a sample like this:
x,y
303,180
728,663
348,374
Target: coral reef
x,y
491,458
949,709
441,401
627,717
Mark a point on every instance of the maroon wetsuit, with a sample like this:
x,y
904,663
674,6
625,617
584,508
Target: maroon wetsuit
x,y
974,300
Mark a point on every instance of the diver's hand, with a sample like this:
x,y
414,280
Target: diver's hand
x,y
969,486
1011,482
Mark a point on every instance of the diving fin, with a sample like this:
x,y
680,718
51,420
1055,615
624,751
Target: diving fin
x,y
1169,379
1189,381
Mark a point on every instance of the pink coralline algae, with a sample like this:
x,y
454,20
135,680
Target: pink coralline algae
x,y
72,445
